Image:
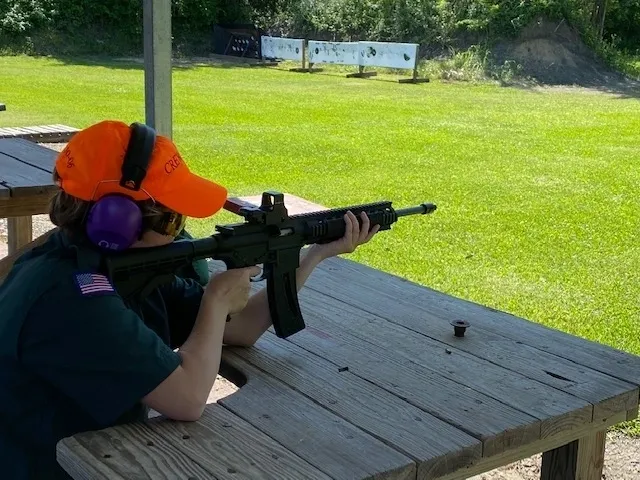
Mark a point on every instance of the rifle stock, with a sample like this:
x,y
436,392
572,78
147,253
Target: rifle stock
x,y
268,237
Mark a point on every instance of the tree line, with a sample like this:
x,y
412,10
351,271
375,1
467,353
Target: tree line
x,y
115,26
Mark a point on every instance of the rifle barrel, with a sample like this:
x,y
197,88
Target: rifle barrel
x,y
421,209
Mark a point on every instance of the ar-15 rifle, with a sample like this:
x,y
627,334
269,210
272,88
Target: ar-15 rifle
x,y
269,236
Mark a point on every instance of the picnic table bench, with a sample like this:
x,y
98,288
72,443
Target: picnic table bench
x,y
40,133
26,186
378,386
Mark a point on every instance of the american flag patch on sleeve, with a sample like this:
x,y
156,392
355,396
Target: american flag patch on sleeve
x,y
93,284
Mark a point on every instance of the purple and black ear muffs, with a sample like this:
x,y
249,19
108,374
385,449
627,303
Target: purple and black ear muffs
x,y
114,222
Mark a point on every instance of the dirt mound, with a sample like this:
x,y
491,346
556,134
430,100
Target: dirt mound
x,y
545,52
552,53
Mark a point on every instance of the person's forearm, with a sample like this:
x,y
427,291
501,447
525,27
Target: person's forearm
x,y
248,325
183,394
202,350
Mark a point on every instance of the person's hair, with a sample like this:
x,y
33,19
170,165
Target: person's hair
x,y
69,213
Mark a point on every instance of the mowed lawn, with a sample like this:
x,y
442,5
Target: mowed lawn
x,y
537,192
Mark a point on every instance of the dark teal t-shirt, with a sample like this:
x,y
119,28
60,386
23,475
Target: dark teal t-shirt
x,y
198,270
75,357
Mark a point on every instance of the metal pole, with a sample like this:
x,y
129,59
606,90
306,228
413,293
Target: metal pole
x,y
157,65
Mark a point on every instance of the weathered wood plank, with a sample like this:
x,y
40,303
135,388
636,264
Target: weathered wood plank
x,y
45,129
25,205
19,233
52,133
30,153
230,447
543,445
9,132
123,453
21,130
219,445
4,191
318,436
556,410
23,179
259,456
428,306
606,393
499,426
437,447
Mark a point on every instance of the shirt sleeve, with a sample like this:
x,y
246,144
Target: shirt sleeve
x,y
82,339
182,299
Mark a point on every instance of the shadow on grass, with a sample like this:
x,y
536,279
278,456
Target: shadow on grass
x,y
137,63
387,75
619,88
616,84
225,62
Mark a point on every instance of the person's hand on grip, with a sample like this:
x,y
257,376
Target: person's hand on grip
x,y
232,287
354,236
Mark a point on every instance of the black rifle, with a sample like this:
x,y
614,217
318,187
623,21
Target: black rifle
x,y
269,236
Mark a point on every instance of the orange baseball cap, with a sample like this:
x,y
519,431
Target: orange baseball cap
x,y
90,166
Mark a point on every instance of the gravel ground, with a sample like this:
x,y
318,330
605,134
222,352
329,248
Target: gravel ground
x,y
622,456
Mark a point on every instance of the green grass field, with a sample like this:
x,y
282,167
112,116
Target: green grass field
x,y
536,191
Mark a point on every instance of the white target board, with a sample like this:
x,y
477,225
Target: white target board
x,y
283,48
342,53
389,55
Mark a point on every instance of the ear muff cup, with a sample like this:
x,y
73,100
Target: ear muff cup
x,y
114,222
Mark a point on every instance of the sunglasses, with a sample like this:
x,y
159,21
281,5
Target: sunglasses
x,y
169,223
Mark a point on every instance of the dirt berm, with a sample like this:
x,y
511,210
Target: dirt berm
x,y
552,53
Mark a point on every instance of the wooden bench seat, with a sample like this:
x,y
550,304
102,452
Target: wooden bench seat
x,y
40,133
220,445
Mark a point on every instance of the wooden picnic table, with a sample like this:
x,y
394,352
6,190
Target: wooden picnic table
x,y
378,386
26,185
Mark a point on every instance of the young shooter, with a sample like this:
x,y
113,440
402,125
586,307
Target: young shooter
x,y
74,355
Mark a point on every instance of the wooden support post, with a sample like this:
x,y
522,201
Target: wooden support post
x,y
304,68
157,65
361,73
581,459
19,232
591,451
304,54
414,77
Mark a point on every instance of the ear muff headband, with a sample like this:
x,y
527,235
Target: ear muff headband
x,y
114,222
138,156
